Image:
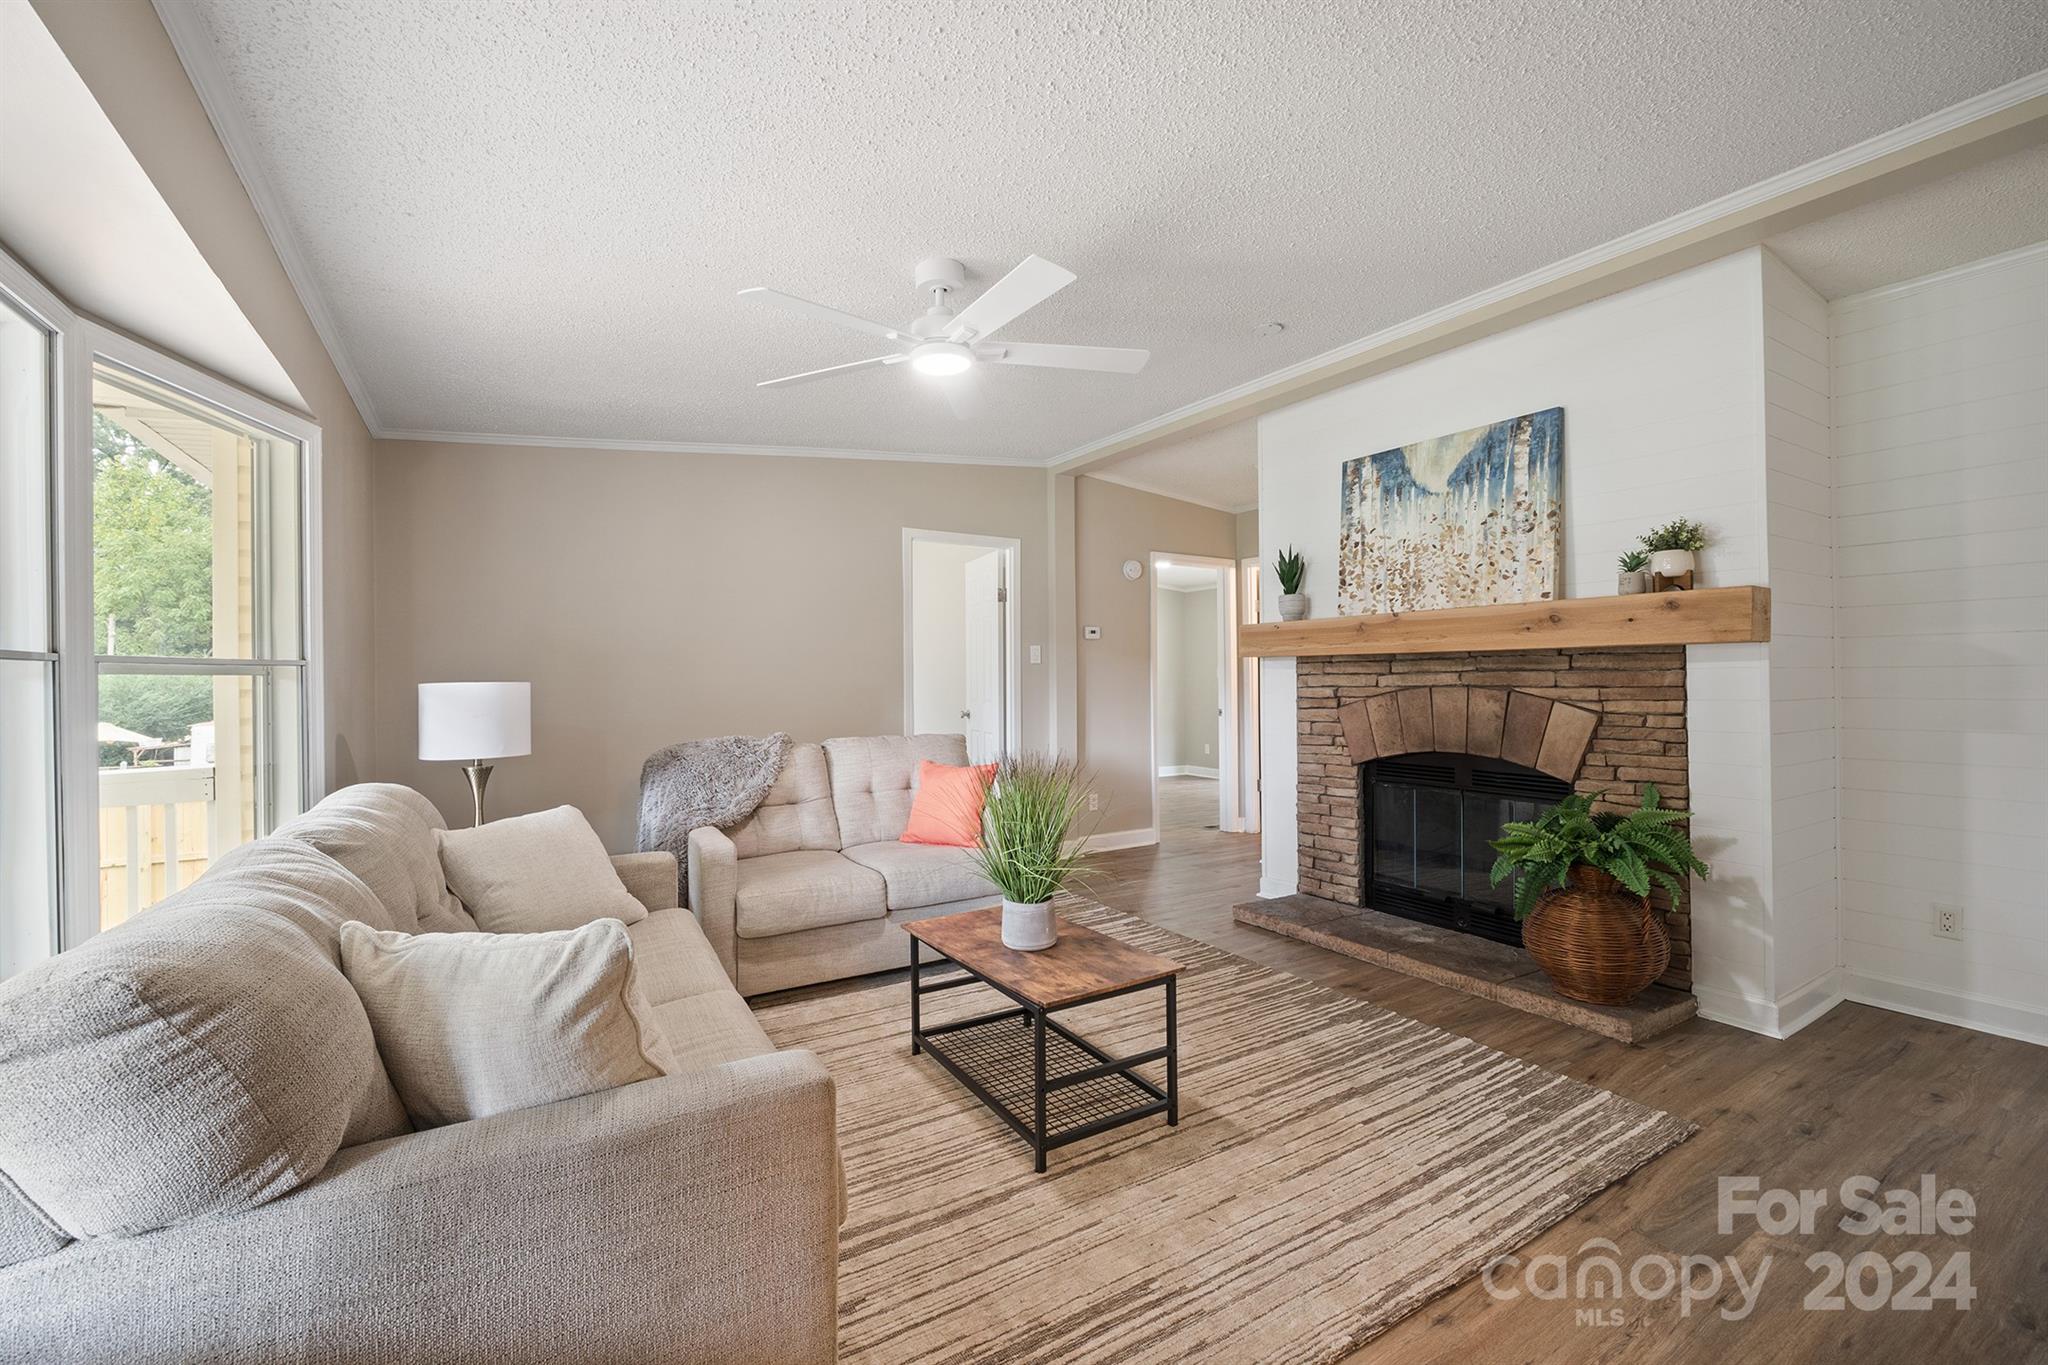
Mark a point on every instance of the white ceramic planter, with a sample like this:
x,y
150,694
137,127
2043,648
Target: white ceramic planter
x,y
1294,606
1639,581
1671,563
1029,928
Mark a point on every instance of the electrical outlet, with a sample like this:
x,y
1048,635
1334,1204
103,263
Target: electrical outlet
x,y
1948,921
1094,801
1205,751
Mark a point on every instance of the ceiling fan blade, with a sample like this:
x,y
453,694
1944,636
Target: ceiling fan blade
x,y
792,304
1118,359
1033,282
829,369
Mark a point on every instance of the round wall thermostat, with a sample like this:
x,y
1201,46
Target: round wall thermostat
x,y
1133,570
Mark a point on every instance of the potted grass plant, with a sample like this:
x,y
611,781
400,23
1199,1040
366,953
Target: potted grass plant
x,y
1289,567
1029,809
1582,887
1674,547
1635,571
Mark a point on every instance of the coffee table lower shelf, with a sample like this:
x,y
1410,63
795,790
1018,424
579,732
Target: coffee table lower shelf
x,y
1072,1091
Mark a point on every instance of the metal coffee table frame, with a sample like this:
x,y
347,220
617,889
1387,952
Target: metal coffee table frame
x,y
982,1052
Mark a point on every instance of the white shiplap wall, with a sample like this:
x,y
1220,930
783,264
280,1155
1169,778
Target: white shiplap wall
x,y
1940,401
1799,497
1662,388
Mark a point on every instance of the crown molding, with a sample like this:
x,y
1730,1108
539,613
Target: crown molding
x,y
1929,133
482,438
194,46
1140,485
2003,261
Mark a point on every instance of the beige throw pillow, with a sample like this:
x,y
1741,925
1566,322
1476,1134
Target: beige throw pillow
x,y
534,873
471,1025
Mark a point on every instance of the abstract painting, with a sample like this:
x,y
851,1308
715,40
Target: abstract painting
x,y
1464,520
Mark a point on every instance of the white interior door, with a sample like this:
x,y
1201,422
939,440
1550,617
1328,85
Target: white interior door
x,y
983,719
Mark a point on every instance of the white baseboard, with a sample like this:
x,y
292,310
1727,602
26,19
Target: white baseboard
x,y
1772,1018
1187,770
1809,1002
2006,1018
1122,838
1737,1010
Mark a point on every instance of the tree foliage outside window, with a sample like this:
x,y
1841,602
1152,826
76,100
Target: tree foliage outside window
x,y
152,544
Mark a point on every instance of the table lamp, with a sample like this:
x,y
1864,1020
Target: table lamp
x,y
472,722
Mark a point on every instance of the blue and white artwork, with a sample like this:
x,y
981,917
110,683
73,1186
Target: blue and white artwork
x,y
1464,520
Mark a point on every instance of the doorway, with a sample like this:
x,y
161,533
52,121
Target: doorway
x,y
960,673
1194,694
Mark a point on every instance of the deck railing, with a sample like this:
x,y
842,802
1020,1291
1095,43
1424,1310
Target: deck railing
x,y
156,835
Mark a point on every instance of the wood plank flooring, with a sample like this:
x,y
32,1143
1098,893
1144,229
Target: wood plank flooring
x,y
1861,1092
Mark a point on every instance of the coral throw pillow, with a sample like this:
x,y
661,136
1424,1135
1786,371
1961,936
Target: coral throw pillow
x,y
947,807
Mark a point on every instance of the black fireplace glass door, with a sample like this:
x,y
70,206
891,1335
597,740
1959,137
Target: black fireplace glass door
x,y
1484,816
1433,819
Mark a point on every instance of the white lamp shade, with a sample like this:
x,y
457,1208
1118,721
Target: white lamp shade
x,y
473,721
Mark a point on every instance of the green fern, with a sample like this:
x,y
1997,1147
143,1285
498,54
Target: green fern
x,y
1642,849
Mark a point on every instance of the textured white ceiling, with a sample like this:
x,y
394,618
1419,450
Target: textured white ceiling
x,y
1991,208
1217,468
531,218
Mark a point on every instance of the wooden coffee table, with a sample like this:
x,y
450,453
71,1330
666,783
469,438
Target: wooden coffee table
x,y
1047,1082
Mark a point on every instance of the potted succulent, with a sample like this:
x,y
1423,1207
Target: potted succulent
x,y
1635,571
1673,546
1029,805
1289,567
1582,888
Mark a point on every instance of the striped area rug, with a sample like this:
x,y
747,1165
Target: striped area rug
x,y
1336,1165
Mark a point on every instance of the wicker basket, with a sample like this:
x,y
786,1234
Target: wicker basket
x,y
1597,941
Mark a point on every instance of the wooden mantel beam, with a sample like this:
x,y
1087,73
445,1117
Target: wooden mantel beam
x,y
1707,616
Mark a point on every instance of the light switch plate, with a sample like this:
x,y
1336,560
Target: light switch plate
x,y
1091,632
1034,654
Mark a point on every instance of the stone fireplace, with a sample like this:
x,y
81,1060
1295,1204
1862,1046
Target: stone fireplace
x,y
1406,764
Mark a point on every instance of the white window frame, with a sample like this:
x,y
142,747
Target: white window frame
x,y
80,343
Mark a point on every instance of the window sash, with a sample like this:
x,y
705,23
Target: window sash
x,y
78,345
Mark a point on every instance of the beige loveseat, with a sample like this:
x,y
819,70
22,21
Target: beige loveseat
x,y
689,1218
816,884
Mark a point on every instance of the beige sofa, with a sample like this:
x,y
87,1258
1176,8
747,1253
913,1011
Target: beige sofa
x,y
816,884
693,1217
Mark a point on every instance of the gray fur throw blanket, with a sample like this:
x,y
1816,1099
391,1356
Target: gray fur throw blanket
x,y
705,782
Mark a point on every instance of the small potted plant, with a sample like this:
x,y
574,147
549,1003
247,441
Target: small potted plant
x,y
1582,889
1672,547
1289,567
1028,811
1635,571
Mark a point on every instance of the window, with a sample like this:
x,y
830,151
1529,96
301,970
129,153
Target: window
x,y
159,689
28,658
196,620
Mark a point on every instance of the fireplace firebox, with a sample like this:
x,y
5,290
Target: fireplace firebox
x,y
1430,819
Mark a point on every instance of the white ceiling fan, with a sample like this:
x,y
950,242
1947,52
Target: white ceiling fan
x,y
945,342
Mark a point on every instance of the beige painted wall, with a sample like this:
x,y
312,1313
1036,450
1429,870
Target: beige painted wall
x,y
651,598
121,52
1111,524
1248,534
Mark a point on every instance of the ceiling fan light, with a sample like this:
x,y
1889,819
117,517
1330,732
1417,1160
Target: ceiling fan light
x,y
941,358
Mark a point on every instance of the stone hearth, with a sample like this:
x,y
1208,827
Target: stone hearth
x,y
1607,719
